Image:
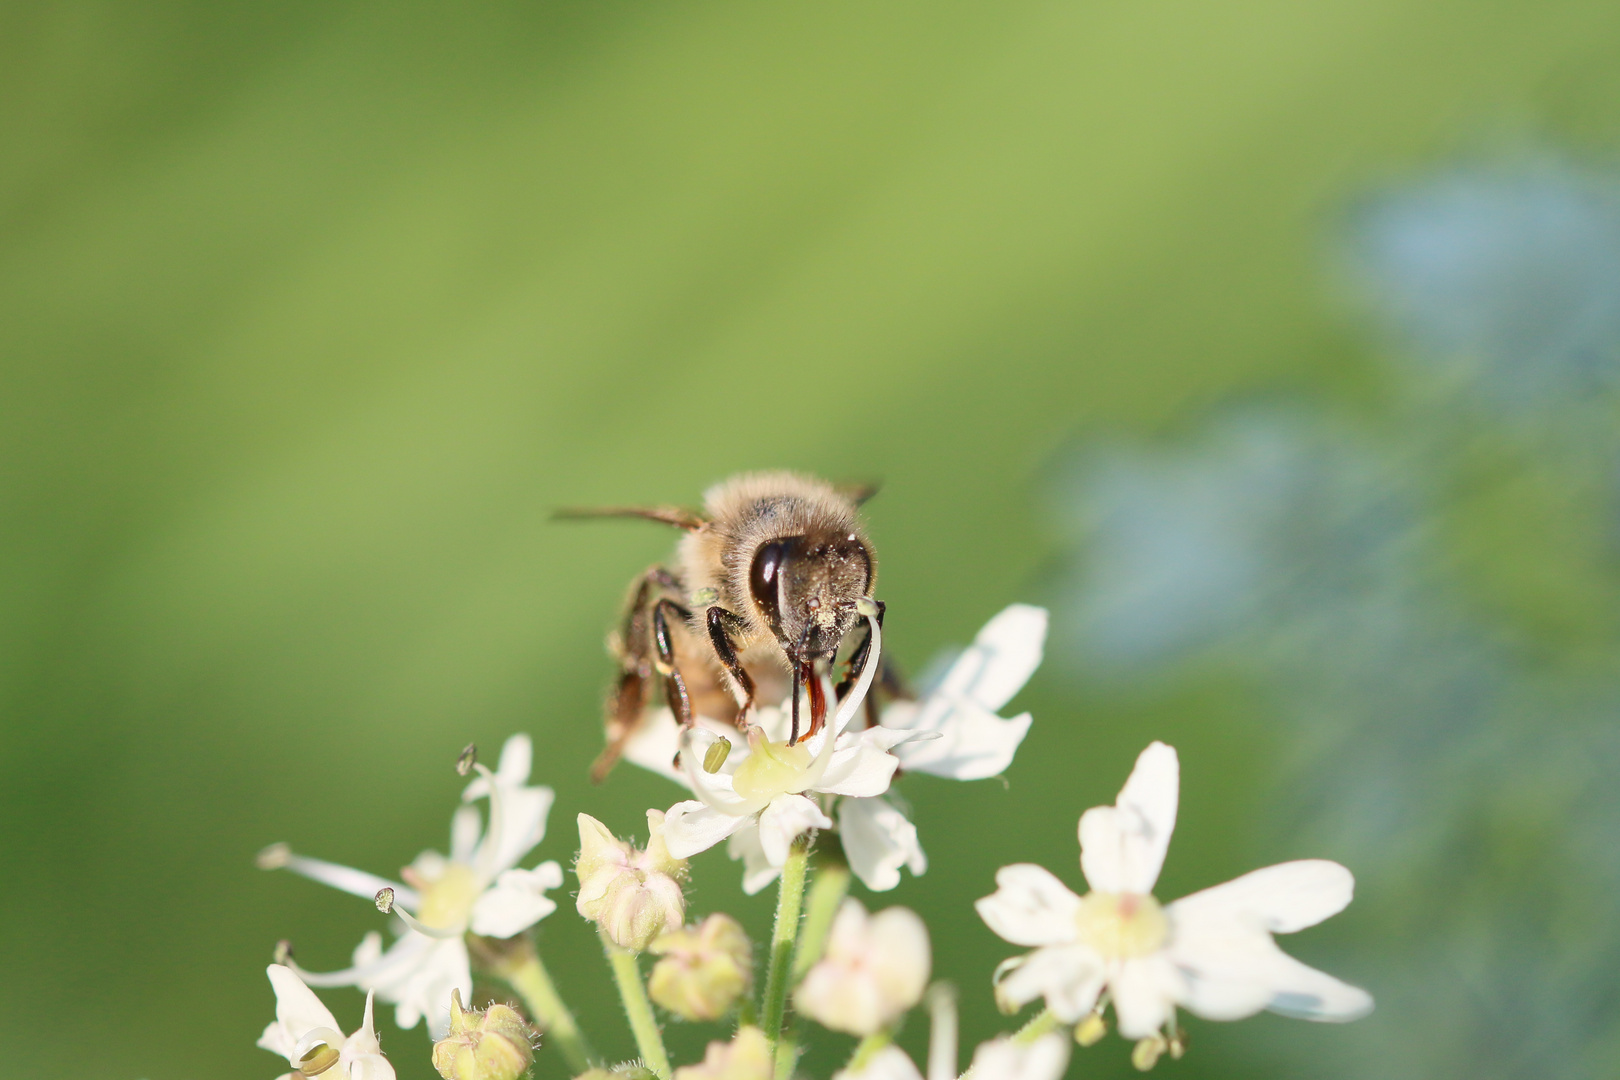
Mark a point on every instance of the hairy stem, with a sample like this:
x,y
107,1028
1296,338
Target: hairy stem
x,y
826,892
789,902
521,968
643,1024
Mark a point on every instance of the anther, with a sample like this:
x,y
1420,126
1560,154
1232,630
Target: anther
x,y
284,953
385,900
705,597
1147,1051
1090,1031
716,755
867,606
273,857
468,758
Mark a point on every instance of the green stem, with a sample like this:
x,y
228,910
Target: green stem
x,y
827,892
1039,1025
789,901
867,1048
643,1024
528,976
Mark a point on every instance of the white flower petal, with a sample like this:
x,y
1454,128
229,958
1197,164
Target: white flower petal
x,y
371,1067
1235,974
1145,991
1030,906
1122,846
1001,659
516,902
861,768
654,743
1281,899
878,840
1003,1059
523,824
757,869
889,1063
298,1010
972,744
784,820
1069,977
691,827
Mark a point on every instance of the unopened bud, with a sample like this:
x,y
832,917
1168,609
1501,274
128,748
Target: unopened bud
x,y
273,857
493,1044
632,894
1146,1054
384,900
703,969
1090,1031
746,1057
716,755
468,758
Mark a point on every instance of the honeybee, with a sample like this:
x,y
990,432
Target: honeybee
x,y
762,593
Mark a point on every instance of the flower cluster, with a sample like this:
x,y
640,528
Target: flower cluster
x,y
813,814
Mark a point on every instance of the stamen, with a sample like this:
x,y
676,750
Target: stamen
x,y
404,953
848,707
942,1032
386,905
283,953
468,758
343,878
491,846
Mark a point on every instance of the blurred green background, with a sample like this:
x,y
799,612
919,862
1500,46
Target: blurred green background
x,y
310,313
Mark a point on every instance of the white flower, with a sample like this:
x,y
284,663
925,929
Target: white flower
x,y
874,970
476,889
955,733
1006,1058
889,1063
307,1035
1211,953
963,738
762,793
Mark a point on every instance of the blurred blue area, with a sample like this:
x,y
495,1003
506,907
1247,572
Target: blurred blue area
x,y
1455,744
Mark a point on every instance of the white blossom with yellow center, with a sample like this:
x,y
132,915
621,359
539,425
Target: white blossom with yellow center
x,y
874,969
1211,953
952,731
763,793
475,889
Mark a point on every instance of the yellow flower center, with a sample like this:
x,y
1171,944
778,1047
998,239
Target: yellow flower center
x,y
448,900
1121,925
772,769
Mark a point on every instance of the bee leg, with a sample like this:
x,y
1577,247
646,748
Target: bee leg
x,y
721,622
674,686
631,646
624,712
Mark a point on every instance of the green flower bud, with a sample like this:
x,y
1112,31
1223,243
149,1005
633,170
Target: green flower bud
x,y
633,895
495,1044
704,969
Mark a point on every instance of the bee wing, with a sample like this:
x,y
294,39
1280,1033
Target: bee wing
x,y
860,492
678,516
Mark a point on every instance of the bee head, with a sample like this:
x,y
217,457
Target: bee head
x,y
806,588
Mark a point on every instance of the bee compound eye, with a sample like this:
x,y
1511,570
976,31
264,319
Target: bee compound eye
x,y
765,577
